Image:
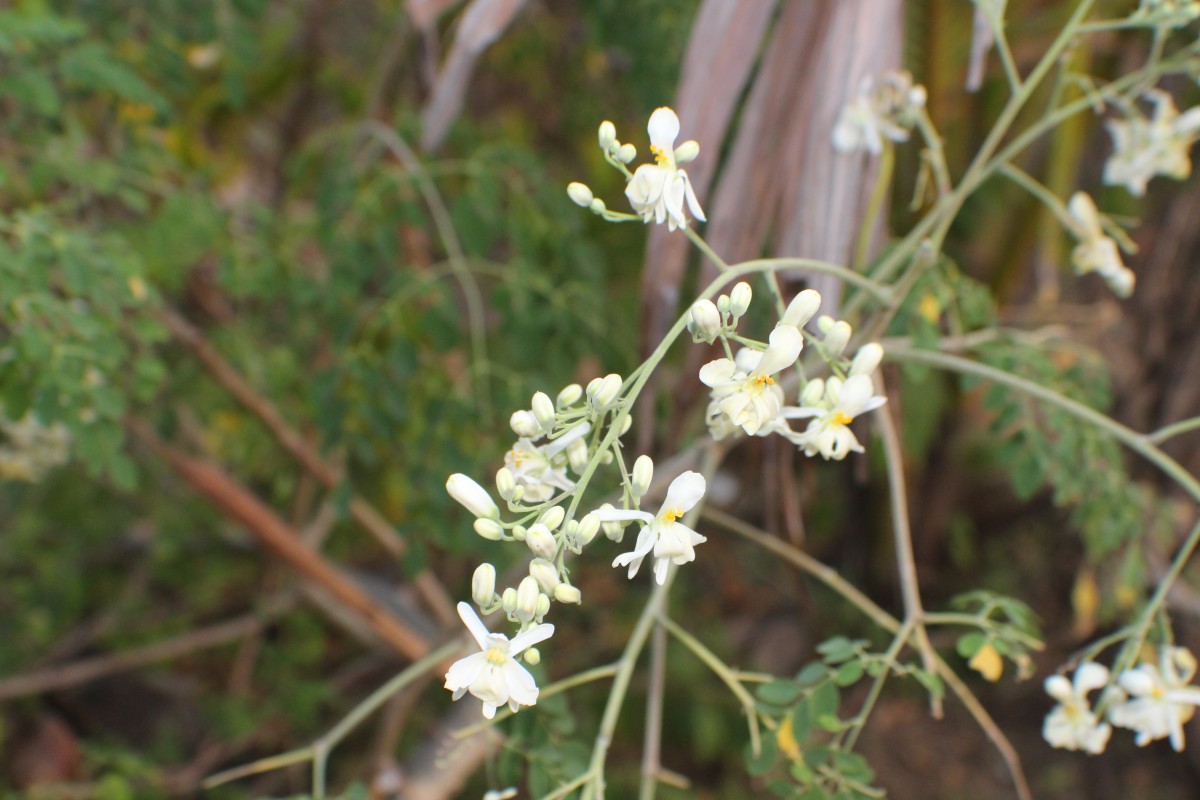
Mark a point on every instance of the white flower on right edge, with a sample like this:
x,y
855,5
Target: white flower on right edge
x,y
493,674
832,404
1072,725
1160,698
663,534
658,191
1096,252
744,390
1143,148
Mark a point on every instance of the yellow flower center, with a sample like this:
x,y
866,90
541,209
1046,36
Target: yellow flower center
x,y
517,456
670,515
841,418
660,155
496,656
764,380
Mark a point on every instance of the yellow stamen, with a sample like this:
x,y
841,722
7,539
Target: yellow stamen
x,y
672,514
764,380
496,656
660,155
841,418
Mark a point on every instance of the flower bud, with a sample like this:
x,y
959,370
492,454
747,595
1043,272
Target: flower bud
x,y
824,323
508,601
505,483
569,396
541,541
723,304
704,320
739,298
566,593
601,392
552,517
607,135
837,338
626,153
577,455
527,598
489,529
580,194
626,424
532,656
588,526
643,474
813,393
597,206
543,411
518,532
525,424
802,308
545,573
866,359
687,151
483,585
543,606
472,496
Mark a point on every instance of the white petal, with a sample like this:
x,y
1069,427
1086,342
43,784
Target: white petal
x,y
1059,688
523,641
692,202
684,492
1089,676
1141,681
620,515
660,570
718,372
462,673
856,395
522,688
489,710
663,129
786,342
478,630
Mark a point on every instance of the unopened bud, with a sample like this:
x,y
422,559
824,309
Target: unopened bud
x,y
577,455
723,304
483,585
580,194
597,206
552,517
588,526
824,323
626,153
866,359
837,338
508,601
739,298
566,593
606,135
532,656
489,529
813,393
541,541
626,424
472,496
643,474
543,607
525,424
601,392
543,411
505,483
545,573
704,320
802,308
569,396
528,593
687,151
518,532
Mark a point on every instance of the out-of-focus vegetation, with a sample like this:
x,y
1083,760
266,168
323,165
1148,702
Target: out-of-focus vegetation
x,y
187,188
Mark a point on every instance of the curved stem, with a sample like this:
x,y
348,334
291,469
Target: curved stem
x,y
1174,429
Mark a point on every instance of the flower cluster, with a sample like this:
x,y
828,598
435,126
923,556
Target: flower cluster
x,y
658,192
747,397
1097,252
31,449
1145,147
1152,700
1166,13
886,109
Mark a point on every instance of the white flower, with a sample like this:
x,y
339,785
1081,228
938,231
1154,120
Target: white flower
x,y
744,392
840,402
493,674
1095,251
1161,699
658,191
884,111
472,496
542,468
1143,148
670,540
1168,13
1072,725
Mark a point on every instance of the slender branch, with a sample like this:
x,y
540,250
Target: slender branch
x,y
652,736
1174,429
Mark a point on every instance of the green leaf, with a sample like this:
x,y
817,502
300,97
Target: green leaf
x,y
849,673
970,643
778,693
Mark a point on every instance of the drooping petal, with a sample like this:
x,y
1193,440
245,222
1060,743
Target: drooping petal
x,y
462,673
621,515
523,641
475,625
684,492
692,202
522,688
785,344
858,396
660,570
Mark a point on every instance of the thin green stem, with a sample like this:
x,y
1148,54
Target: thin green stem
x,y
1174,429
1038,190
879,195
860,719
558,687
725,673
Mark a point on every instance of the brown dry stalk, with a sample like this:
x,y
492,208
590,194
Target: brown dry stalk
x,y
237,502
